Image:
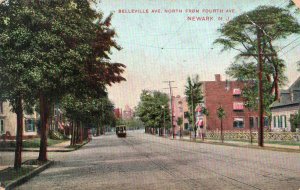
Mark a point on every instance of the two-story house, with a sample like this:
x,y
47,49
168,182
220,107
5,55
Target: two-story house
x,y
8,122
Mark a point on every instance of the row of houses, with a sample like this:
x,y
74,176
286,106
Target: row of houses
x,y
228,94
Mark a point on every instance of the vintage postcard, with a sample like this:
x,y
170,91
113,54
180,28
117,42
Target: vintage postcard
x,y
150,94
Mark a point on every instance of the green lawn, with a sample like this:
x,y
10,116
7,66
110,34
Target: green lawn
x,y
35,143
10,174
31,143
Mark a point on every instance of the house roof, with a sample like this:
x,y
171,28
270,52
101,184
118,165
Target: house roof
x,y
289,97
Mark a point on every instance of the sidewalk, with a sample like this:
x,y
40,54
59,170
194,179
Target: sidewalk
x,y
267,146
60,147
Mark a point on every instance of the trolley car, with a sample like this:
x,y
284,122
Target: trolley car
x,y
121,131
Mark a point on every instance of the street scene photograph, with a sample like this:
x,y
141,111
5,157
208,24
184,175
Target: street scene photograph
x,y
150,94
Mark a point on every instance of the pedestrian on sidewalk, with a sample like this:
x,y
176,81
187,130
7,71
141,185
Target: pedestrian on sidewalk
x,y
201,130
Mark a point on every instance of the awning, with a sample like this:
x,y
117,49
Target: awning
x,y
237,91
238,105
238,119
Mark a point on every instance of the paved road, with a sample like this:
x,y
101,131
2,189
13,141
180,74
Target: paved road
x,y
143,161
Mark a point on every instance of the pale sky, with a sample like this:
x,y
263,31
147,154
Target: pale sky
x,y
168,46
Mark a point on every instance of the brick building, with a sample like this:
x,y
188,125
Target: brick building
x,y
118,113
228,95
127,113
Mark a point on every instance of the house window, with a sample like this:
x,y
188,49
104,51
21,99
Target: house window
x,y
266,121
238,106
274,122
237,92
29,125
291,119
1,107
186,114
279,121
283,118
2,126
186,126
251,122
238,123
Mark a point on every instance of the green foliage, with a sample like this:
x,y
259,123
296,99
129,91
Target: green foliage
x,y
15,57
134,123
240,34
88,110
193,93
247,72
205,111
120,122
153,109
57,48
221,112
179,121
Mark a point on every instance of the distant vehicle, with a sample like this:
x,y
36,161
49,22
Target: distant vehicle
x,y
121,131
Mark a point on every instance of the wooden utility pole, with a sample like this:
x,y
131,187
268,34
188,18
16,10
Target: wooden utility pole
x,y
259,28
171,99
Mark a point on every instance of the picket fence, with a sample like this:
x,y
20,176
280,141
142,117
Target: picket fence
x,y
245,135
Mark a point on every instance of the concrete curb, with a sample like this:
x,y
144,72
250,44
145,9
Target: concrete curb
x,y
30,175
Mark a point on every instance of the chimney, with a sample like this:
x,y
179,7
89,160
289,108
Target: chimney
x,y
218,77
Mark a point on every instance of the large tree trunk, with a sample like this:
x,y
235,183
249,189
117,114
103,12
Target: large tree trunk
x,y
44,125
98,130
19,136
77,132
81,133
276,80
103,129
73,137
